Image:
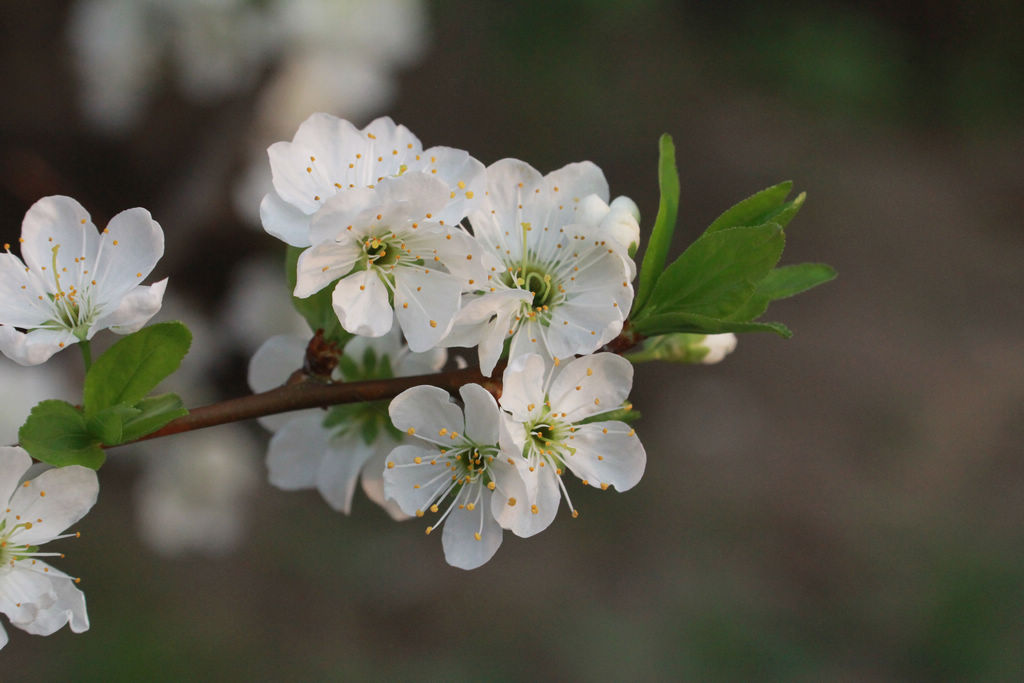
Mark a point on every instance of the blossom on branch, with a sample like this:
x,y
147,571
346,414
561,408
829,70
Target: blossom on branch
x,y
386,247
547,413
35,596
75,281
458,462
554,276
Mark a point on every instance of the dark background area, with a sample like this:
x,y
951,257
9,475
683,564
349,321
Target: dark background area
x,y
845,505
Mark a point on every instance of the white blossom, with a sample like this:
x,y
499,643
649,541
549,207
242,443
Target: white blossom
x,y
330,451
551,277
545,414
330,156
458,462
386,244
34,595
74,281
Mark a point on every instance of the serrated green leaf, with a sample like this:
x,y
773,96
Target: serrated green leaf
x,y
669,323
664,225
151,414
317,309
132,367
757,209
782,283
56,433
791,280
718,273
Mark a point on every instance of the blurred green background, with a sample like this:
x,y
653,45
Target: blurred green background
x,y
846,505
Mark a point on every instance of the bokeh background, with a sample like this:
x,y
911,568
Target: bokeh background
x,y
845,505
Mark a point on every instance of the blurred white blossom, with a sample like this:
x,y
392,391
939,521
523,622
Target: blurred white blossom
x,y
194,490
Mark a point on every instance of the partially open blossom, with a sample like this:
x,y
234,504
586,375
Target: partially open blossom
x,y
546,414
35,596
457,462
551,277
75,281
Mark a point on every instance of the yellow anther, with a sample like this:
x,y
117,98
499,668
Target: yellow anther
x,y
533,509
511,502
477,535
391,465
410,431
491,485
417,460
470,506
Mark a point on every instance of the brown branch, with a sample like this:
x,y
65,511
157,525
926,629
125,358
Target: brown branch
x,y
310,393
303,391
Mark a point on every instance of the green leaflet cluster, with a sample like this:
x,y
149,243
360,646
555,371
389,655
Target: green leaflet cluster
x,y
116,405
726,278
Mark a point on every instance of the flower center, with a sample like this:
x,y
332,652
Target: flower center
x,y
383,251
537,281
548,436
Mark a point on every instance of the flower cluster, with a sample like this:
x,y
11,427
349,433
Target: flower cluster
x,y
534,268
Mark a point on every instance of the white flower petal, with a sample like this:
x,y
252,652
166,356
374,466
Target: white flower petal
x,y
465,179
373,485
528,503
522,392
59,497
577,180
57,222
24,298
408,483
471,537
426,304
607,454
424,411
68,606
361,303
14,462
284,221
134,310
297,178
35,347
322,264
590,385
481,414
129,249
296,451
341,211
339,470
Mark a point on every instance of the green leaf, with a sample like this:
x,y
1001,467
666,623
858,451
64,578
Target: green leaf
x,y
670,323
150,414
791,280
768,205
56,433
106,426
664,225
782,283
132,367
718,273
317,309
